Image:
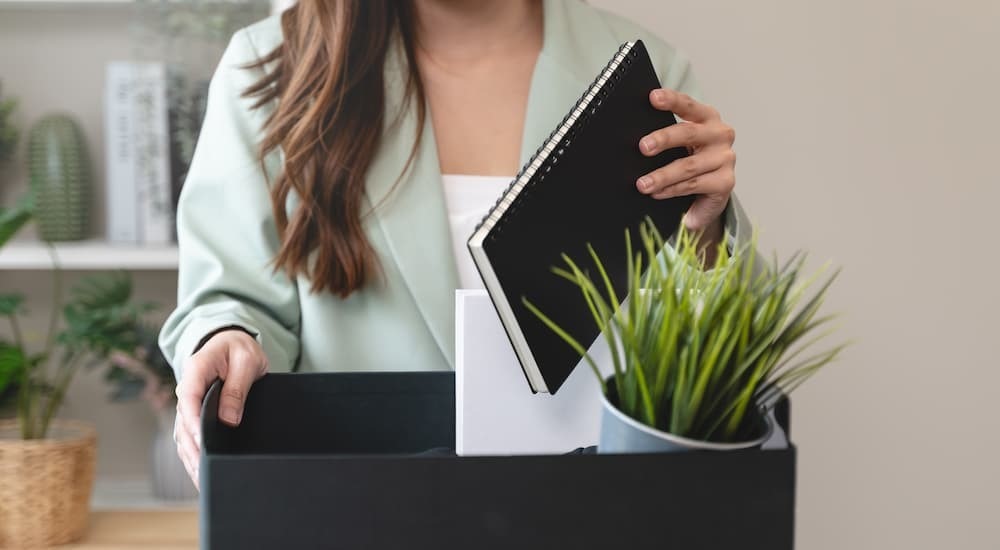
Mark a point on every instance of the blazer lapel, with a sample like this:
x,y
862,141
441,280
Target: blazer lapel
x,y
562,74
411,211
410,207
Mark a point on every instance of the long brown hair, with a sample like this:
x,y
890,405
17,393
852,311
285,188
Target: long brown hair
x,y
329,85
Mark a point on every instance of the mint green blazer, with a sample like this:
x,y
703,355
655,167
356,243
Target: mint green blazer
x,y
227,234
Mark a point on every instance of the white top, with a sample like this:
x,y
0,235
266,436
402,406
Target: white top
x,y
469,199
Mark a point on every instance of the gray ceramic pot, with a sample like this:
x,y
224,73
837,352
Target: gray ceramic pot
x,y
170,479
622,434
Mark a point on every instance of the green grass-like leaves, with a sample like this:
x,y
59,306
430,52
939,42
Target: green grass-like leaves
x,y
698,352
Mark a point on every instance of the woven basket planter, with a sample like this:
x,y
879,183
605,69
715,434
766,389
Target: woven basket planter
x,y
45,484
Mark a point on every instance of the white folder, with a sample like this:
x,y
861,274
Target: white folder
x,y
496,412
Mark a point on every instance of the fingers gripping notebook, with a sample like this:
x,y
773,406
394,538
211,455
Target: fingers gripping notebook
x,y
577,189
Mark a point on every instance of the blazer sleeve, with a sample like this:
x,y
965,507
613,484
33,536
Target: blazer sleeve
x,y
226,231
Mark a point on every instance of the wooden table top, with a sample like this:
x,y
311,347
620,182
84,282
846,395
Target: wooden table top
x,y
140,530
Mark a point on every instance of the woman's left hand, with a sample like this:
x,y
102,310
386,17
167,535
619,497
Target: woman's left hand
x,y
709,172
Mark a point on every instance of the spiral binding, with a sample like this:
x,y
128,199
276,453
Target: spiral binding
x,y
558,140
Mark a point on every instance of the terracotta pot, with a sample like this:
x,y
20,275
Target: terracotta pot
x,y
45,484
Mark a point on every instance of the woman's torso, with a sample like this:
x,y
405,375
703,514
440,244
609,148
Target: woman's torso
x,y
405,320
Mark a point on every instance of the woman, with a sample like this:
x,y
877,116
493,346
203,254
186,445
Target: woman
x,y
315,228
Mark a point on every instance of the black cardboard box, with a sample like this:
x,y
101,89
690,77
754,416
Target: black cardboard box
x,y
348,461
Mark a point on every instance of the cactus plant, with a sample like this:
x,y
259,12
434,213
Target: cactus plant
x,y
59,171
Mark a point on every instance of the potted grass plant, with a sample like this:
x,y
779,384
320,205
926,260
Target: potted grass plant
x,y
47,464
699,355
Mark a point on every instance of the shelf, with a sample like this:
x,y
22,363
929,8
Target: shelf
x,y
88,256
69,4
64,4
135,529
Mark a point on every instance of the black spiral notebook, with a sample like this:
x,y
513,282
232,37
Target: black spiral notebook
x,y
578,188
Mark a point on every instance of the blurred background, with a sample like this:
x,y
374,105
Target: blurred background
x,y
121,86
867,135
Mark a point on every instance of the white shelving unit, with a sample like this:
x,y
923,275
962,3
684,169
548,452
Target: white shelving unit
x,y
88,256
64,4
277,5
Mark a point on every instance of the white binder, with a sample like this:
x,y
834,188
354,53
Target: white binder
x,y
496,412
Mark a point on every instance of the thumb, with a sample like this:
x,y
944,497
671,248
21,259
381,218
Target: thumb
x,y
235,388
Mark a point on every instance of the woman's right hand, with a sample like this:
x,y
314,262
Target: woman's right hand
x,y
236,358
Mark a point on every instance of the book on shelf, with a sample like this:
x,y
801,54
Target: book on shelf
x,y
139,195
122,217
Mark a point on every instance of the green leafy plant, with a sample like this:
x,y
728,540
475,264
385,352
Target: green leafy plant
x,y
188,36
98,317
11,358
696,352
8,132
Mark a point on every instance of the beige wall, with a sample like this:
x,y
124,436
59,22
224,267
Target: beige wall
x,y
867,134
